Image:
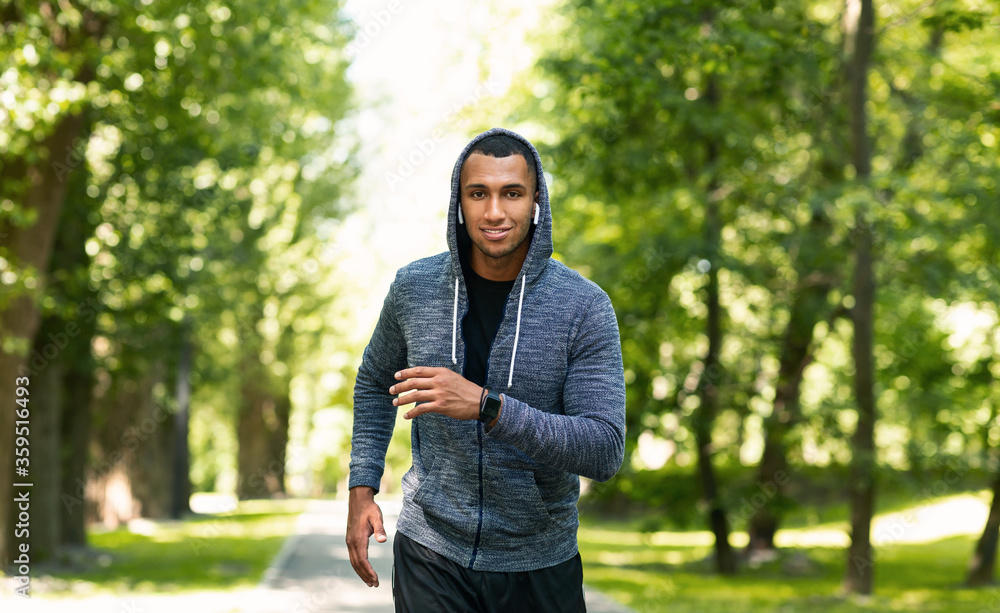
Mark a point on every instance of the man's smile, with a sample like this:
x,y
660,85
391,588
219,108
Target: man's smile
x,y
496,234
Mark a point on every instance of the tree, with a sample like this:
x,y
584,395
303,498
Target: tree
x,y
33,187
191,111
673,164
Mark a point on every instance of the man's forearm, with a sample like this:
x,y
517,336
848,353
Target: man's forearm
x,y
591,446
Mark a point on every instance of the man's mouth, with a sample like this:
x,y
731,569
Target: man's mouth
x,y
496,234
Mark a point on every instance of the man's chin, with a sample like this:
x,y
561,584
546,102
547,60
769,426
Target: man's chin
x,y
495,252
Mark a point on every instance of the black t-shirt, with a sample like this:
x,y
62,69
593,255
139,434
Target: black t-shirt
x,y
486,304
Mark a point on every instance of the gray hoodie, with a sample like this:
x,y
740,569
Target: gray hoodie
x,y
502,499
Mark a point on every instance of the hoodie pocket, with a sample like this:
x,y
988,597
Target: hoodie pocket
x,y
515,505
449,501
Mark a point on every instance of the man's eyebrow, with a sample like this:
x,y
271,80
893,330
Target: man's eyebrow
x,y
483,186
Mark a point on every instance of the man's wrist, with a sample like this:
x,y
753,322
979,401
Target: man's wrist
x,y
362,492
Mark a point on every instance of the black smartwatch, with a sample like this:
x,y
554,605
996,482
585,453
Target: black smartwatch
x,y
490,408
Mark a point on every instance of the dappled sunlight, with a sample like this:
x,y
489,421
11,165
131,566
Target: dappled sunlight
x,y
959,515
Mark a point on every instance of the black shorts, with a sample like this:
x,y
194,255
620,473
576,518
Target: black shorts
x,y
426,582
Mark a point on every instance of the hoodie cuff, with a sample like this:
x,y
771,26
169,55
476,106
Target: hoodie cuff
x,y
369,477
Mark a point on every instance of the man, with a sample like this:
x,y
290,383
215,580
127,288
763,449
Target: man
x,y
514,363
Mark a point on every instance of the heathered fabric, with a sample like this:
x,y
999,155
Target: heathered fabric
x,y
505,499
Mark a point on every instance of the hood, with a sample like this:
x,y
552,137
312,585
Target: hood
x,y
541,235
538,252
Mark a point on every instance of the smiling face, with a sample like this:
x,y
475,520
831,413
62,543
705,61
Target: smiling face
x,y
498,206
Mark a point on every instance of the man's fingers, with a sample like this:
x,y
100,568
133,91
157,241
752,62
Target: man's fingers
x,y
378,528
359,560
415,396
422,383
372,580
418,410
418,372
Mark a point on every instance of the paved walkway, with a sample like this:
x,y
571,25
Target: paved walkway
x,y
313,572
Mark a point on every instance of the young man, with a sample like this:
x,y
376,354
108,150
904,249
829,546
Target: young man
x,y
514,362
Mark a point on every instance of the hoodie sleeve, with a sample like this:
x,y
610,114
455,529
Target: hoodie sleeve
x,y
374,414
589,440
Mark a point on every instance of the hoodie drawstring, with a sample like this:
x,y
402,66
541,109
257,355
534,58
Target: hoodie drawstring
x,y
517,333
517,330
454,326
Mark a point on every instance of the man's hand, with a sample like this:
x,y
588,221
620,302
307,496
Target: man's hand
x,y
364,518
439,390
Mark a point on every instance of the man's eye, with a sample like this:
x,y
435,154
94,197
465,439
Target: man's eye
x,y
476,194
513,194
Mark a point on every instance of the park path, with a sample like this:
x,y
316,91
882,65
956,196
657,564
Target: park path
x,y
313,572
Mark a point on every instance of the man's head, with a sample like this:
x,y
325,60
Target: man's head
x,y
498,191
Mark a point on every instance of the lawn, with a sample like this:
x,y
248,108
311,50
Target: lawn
x,y
226,551
671,571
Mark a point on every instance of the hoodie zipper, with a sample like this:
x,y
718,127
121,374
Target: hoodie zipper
x,y
479,436
479,426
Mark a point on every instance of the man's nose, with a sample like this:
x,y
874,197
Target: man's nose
x,y
494,211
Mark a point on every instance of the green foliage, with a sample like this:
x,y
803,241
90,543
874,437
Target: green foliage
x,y
215,166
656,110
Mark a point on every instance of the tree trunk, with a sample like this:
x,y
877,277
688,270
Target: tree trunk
x,y
808,308
708,390
151,472
860,30
133,438
725,561
70,284
861,557
981,570
181,496
262,432
29,246
76,427
263,438
46,408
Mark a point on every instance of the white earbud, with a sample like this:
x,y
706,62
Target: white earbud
x,y
461,220
537,211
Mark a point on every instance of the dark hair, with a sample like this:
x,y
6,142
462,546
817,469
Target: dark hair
x,y
501,146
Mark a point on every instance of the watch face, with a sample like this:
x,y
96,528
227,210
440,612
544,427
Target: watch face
x,y
490,408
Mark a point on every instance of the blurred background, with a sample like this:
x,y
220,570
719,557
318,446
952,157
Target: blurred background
x,y
793,206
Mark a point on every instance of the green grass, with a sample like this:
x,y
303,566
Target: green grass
x,y
670,571
206,552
